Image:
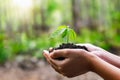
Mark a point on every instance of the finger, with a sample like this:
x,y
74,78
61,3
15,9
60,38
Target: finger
x,y
60,53
54,63
89,46
56,69
49,59
59,63
45,52
47,56
51,49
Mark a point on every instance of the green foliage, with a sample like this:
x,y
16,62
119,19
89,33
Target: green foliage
x,y
65,32
3,50
52,6
53,13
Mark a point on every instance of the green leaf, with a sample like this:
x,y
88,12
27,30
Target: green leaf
x,y
65,32
72,34
59,31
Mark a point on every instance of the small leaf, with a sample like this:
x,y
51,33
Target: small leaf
x,y
64,34
60,31
72,34
54,34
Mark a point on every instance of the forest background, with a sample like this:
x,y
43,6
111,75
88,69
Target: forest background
x,y
25,25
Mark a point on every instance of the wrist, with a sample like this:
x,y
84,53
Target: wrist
x,y
93,59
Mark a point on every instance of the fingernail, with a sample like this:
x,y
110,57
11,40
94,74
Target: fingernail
x,y
51,48
45,51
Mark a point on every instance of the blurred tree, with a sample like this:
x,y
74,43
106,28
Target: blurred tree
x,y
76,15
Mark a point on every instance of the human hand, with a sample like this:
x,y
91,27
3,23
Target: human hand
x,y
76,61
95,50
80,61
103,54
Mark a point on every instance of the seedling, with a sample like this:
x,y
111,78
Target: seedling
x,y
65,32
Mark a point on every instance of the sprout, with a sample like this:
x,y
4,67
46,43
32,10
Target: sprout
x,y
65,32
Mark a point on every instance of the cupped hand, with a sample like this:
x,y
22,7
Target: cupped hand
x,y
75,62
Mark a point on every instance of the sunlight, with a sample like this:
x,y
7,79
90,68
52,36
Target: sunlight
x,y
23,4
22,8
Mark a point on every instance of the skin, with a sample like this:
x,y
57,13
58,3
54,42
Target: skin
x,y
79,61
105,55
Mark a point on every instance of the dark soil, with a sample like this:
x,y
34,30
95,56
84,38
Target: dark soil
x,y
69,46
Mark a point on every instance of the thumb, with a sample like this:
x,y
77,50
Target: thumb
x,y
59,53
45,52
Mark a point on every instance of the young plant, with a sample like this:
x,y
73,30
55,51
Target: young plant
x,y
65,32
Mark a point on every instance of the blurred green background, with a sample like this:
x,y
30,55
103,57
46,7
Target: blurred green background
x,y
25,25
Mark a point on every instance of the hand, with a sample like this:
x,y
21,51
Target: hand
x,y
103,54
79,61
95,50
76,61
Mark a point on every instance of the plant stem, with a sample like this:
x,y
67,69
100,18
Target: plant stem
x,y
68,35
